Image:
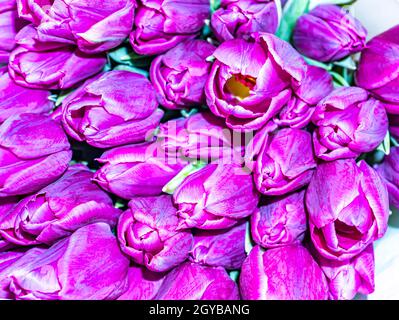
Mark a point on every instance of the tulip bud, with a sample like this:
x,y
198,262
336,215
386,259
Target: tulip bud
x,y
137,170
348,208
34,151
58,210
116,108
159,25
15,99
215,197
202,137
147,232
251,82
389,171
36,64
281,221
6,205
220,248
82,23
285,162
298,111
7,259
86,266
242,18
329,33
349,123
286,273
378,70
10,24
190,281
180,74
348,278
143,284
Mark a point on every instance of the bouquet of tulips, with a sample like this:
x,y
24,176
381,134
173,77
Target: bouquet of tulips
x,y
196,150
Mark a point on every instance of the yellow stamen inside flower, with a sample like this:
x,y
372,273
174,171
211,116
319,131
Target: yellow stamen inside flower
x,y
240,86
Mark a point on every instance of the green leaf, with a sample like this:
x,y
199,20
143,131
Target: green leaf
x,y
119,55
188,113
234,275
339,80
61,97
385,146
132,69
291,13
347,63
215,4
319,64
171,186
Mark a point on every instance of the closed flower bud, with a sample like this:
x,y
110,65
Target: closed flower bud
x,y
159,25
242,18
348,208
389,171
137,170
286,273
147,232
43,65
190,281
329,33
285,162
58,210
378,70
349,122
86,266
180,74
220,248
15,99
280,221
216,197
94,26
116,108
34,151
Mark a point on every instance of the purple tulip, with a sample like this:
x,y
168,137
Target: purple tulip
x,y
298,111
10,24
159,25
137,170
242,18
378,70
148,233
280,221
285,162
389,171
86,266
348,208
251,82
116,108
143,284
220,248
191,281
58,210
6,205
348,278
201,136
215,197
286,273
35,64
15,99
349,123
329,33
7,260
94,26
180,74
34,151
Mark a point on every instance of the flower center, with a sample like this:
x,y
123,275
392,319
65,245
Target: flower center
x,y
240,86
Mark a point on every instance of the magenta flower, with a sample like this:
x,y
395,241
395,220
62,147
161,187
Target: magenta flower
x,y
286,273
348,208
